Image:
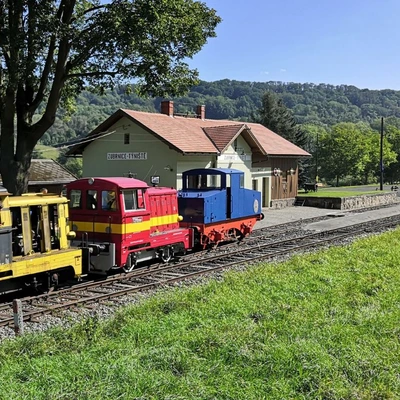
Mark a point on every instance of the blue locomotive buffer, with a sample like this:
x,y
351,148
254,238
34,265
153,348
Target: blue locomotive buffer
x,y
211,195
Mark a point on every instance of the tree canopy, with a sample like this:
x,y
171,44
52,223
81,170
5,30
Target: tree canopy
x,y
51,50
274,115
349,149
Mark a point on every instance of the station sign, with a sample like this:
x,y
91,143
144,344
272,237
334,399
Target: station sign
x,y
127,156
234,157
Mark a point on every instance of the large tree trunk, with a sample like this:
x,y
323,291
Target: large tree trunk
x,y
15,160
15,166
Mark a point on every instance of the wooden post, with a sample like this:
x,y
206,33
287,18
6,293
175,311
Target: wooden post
x,y
18,317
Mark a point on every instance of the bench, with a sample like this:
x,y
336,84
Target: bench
x,y
311,187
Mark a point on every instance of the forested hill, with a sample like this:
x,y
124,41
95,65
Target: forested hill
x,y
227,99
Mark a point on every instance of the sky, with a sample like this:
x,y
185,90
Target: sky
x,y
350,42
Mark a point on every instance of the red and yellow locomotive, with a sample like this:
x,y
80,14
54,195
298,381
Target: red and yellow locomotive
x,y
124,221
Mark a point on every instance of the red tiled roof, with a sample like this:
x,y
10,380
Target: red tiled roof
x,y
194,135
273,144
185,134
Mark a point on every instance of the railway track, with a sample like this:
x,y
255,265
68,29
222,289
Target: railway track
x,y
257,249
288,229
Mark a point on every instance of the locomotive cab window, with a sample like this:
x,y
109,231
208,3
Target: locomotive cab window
x,y
203,182
214,181
108,200
75,199
91,199
133,199
193,181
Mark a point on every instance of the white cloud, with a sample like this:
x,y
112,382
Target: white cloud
x,y
283,70
264,72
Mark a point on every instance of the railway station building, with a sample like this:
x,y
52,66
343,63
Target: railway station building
x,y
158,147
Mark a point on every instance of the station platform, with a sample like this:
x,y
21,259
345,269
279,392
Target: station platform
x,y
338,218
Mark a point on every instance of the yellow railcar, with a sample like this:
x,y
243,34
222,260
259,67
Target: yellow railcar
x,y
34,242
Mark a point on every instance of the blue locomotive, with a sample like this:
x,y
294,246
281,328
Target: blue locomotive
x,y
214,202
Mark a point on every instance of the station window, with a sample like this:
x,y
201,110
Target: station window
x,y
126,138
133,199
108,200
91,200
75,199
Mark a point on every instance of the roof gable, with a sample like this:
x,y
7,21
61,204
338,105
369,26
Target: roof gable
x,y
223,136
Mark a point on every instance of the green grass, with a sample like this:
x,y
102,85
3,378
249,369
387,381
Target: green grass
x,y
338,193
322,326
47,151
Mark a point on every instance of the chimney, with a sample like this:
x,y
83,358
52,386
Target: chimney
x,y
201,112
167,107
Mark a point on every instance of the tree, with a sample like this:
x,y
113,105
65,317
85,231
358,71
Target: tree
x,y
352,150
278,118
371,170
50,50
274,115
342,152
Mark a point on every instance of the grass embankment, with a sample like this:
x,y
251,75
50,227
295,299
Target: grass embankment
x,y
47,151
320,326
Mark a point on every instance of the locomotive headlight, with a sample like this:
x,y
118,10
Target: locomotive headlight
x,y
71,235
180,218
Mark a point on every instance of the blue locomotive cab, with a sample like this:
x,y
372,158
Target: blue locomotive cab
x,y
211,195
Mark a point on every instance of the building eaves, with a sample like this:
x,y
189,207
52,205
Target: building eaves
x,y
77,146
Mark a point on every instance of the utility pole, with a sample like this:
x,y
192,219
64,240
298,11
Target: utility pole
x,y
316,161
381,156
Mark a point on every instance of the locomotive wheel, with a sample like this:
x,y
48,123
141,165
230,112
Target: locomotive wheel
x,y
52,282
205,241
239,235
131,264
235,234
166,254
